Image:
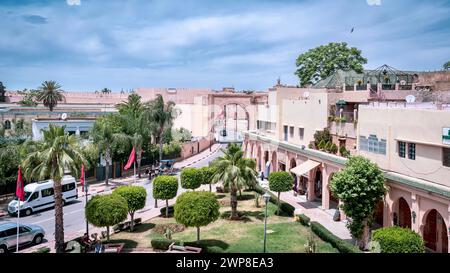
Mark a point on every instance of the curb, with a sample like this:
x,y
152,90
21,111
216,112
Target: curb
x,y
213,152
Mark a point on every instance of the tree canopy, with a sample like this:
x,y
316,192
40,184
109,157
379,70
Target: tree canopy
x,y
165,187
135,197
280,182
191,178
322,61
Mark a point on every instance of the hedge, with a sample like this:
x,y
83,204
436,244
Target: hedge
x,y
163,243
163,211
126,225
335,241
303,219
42,250
286,209
398,240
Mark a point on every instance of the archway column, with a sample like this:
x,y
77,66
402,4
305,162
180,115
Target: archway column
x,y
311,178
343,215
415,224
325,189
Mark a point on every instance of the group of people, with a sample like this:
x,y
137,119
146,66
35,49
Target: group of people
x,y
89,244
157,169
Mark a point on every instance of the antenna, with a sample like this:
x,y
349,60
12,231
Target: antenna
x,y
410,99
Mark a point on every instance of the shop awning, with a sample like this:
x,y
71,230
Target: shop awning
x,y
341,102
304,167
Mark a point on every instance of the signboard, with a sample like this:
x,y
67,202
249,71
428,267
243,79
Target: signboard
x,y
446,136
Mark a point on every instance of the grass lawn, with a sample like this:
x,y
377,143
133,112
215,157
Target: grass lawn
x,y
245,236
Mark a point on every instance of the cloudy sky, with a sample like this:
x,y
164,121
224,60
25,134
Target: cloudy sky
x,y
91,44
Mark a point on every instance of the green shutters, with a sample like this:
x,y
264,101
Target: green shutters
x,y
412,151
401,149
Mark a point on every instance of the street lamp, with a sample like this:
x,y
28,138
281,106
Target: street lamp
x,y
266,197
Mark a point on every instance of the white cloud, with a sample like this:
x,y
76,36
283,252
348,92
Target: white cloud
x,y
73,2
374,2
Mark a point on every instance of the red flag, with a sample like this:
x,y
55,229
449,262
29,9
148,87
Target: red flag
x,y
20,193
130,159
82,176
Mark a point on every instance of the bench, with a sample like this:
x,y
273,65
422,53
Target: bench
x,y
184,249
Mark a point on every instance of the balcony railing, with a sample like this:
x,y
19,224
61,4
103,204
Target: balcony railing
x,y
361,87
405,87
388,86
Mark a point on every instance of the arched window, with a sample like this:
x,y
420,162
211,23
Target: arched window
x,y
7,124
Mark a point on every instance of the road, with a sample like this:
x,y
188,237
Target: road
x,y
74,220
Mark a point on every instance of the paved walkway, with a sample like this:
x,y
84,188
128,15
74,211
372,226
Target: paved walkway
x,y
145,214
315,212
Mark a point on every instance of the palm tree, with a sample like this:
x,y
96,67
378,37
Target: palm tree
x,y
235,172
50,94
161,116
106,91
59,152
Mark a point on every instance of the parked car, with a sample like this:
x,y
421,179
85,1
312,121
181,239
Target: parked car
x,y
28,234
40,196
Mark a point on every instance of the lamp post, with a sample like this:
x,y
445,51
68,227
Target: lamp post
x,y
266,197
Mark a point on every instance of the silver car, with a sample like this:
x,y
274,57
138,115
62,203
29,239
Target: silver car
x,y
28,234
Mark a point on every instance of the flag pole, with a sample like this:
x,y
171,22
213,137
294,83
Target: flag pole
x,y
134,171
86,196
18,219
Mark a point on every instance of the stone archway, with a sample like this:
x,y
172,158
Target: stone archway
x,y
333,201
318,183
435,232
404,213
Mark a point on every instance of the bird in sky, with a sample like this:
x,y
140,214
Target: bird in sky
x,y
353,28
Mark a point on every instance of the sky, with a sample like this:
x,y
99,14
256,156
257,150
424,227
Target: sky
x,y
87,45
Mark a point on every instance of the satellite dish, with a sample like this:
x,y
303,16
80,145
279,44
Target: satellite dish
x,y
64,116
410,99
306,95
402,82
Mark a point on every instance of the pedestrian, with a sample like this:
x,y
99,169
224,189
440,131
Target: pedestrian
x,y
98,246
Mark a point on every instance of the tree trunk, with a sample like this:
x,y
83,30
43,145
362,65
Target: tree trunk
x,y
156,203
132,221
107,161
233,203
160,147
278,209
363,242
107,233
210,187
198,234
138,159
59,217
167,208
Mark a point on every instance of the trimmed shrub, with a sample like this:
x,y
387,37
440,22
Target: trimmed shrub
x,y
135,197
333,148
163,243
321,144
171,211
335,241
196,209
191,178
303,219
207,175
165,187
42,250
285,208
398,240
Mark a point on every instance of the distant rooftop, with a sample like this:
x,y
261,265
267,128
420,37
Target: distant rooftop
x,y
405,105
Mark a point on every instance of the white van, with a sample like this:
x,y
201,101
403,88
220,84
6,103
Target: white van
x,y
40,195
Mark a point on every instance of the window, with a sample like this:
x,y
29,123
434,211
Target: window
x,y
401,149
446,157
23,230
301,132
382,147
373,144
285,133
47,192
7,124
68,187
2,234
363,143
11,232
34,196
291,131
412,151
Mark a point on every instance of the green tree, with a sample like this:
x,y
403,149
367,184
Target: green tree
x,y
321,62
50,94
181,135
320,136
91,153
29,97
360,186
235,172
196,209
208,176
191,178
280,182
135,197
161,115
165,187
446,66
106,210
398,240
57,153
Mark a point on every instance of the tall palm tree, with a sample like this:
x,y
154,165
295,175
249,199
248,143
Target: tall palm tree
x,y
58,153
161,116
50,94
235,172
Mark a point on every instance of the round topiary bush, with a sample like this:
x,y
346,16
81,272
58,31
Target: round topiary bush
x,y
398,240
207,175
280,182
196,209
135,196
191,178
165,187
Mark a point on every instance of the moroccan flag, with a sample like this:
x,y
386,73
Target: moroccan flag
x,y
82,178
20,193
130,159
